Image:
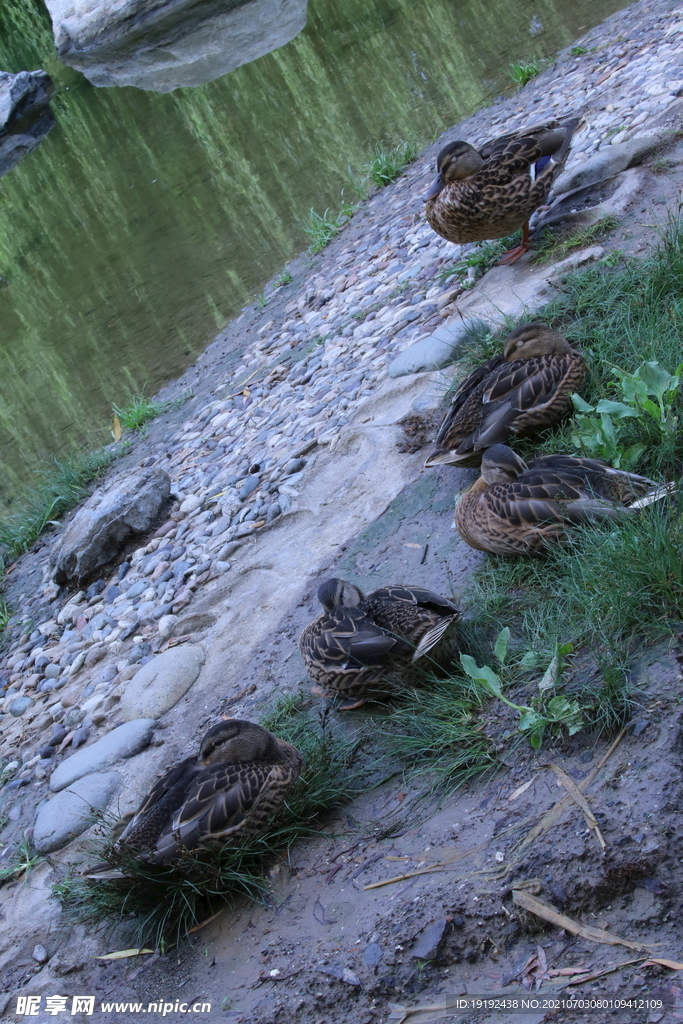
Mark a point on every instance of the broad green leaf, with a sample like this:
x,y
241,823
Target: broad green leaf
x,y
536,740
617,409
484,675
530,660
566,649
501,646
531,720
655,378
580,405
653,409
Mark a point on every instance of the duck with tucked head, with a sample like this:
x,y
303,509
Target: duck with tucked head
x,y
525,389
230,790
492,191
515,509
364,646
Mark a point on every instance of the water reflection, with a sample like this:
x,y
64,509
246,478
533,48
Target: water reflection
x,y
145,221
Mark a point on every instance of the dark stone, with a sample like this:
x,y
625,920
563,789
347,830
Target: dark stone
x,y
139,651
111,593
429,940
46,751
372,954
128,631
123,569
249,486
94,589
25,115
79,737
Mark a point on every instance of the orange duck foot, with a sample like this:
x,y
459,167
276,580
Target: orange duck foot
x,y
352,707
512,255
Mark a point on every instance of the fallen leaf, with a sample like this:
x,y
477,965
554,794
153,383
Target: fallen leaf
x,y
567,971
412,545
116,429
520,789
579,799
673,965
122,954
548,913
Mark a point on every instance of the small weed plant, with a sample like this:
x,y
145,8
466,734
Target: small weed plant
x,y
137,412
550,710
322,228
63,485
551,248
522,71
482,257
648,395
285,278
389,162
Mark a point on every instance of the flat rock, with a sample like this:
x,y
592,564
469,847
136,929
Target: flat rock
x,y
438,349
69,813
160,684
25,115
607,162
429,940
124,741
99,530
161,46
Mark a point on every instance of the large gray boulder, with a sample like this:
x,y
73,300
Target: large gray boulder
x,y
25,115
163,45
99,530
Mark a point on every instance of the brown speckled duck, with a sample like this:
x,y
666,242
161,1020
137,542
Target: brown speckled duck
x,y
523,390
515,509
491,192
231,789
362,646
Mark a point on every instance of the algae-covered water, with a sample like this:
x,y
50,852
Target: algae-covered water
x,y
145,221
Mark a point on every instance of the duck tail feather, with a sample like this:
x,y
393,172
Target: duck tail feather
x,y
432,637
656,495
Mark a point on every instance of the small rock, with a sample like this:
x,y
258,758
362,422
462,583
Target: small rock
x,y
19,705
191,504
122,742
249,486
429,940
40,954
166,624
372,954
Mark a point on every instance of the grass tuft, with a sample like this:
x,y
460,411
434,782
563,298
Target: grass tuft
x,y
63,485
388,163
163,902
482,257
552,248
435,733
321,229
522,71
138,411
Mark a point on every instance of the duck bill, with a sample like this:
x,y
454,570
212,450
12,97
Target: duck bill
x,y
434,188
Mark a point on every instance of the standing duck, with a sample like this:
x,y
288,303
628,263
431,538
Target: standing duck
x,y
491,192
361,646
231,789
515,509
525,389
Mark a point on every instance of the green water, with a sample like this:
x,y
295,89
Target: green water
x,y
145,221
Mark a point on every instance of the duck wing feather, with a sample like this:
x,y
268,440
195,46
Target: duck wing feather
x,y
221,798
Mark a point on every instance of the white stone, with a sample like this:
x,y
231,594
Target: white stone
x,y
69,813
128,739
